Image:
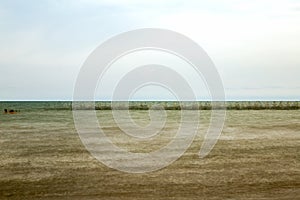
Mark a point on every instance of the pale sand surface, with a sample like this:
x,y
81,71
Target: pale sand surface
x,y
257,157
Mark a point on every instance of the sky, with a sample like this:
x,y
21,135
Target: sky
x,y
253,44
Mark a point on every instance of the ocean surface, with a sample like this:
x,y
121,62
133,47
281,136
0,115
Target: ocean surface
x,y
145,105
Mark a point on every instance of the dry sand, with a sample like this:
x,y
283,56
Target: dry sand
x,y
257,157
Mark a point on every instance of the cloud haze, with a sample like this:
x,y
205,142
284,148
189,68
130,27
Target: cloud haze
x,y
254,44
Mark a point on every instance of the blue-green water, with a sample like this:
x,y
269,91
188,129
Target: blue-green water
x,y
145,105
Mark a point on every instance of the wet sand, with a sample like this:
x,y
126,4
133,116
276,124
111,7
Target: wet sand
x,y
257,157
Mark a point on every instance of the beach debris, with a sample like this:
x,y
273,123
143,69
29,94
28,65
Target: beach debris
x,y
11,111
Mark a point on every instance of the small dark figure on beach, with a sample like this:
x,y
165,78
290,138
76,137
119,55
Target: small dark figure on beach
x,y
11,111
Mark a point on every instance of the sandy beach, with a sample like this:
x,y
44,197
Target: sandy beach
x,y
256,157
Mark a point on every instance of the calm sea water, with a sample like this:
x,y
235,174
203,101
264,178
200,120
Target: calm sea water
x,y
144,105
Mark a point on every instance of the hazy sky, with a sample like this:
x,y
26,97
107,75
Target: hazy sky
x,y
254,44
